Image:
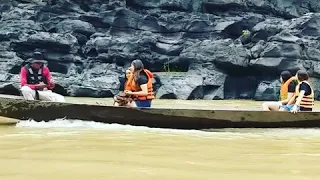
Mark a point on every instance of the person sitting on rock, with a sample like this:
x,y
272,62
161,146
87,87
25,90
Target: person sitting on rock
x,y
36,81
140,85
287,90
122,99
303,99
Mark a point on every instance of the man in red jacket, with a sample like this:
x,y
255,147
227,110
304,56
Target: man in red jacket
x,y
36,81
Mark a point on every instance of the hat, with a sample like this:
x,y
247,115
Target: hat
x,y
37,57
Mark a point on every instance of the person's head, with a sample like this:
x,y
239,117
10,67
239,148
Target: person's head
x,y
128,73
302,75
285,76
37,60
136,66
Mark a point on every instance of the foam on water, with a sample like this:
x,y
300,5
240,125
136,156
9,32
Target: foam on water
x,y
79,125
61,123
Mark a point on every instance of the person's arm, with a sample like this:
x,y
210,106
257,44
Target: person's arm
x,y
292,100
286,101
298,101
143,92
24,79
291,91
47,75
301,94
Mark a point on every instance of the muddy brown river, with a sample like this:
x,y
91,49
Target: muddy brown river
x,y
92,151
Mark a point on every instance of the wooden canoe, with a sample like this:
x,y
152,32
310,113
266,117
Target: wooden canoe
x,y
15,107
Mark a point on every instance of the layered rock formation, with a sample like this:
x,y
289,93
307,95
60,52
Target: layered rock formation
x,y
199,49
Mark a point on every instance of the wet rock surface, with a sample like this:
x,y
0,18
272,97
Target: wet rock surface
x,y
199,49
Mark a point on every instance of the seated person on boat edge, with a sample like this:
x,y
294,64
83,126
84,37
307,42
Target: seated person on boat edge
x,y
122,99
287,90
139,86
36,81
303,99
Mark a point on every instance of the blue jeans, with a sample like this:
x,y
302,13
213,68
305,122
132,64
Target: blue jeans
x,y
288,107
143,104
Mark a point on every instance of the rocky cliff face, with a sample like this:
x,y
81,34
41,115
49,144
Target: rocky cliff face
x,y
200,49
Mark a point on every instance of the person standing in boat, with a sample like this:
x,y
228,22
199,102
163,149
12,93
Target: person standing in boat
x,y
303,99
287,90
140,85
36,81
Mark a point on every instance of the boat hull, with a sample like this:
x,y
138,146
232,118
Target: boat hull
x,y
156,117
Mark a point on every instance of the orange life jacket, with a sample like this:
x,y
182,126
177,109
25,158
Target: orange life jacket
x,y
307,101
132,86
127,86
285,88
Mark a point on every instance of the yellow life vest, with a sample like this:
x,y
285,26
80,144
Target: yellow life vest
x,y
307,100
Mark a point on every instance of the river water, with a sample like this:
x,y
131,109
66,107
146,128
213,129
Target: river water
x,y
80,150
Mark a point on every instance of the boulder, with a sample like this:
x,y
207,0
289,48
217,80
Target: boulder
x,y
268,91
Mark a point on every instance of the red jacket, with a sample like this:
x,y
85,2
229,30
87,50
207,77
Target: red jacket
x,y
24,78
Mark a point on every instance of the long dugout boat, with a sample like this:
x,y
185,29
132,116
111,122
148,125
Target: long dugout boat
x,y
16,107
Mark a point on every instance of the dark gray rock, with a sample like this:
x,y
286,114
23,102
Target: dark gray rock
x,y
75,26
311,50
286,37
176,5
10,63
200,49
315,84
10,88
65,43
274,66
240,87
267,28
268,91
16,29
221,52
284,8
257,49
178,85
278,49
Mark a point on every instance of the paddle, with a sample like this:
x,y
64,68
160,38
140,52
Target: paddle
x,y
8,121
